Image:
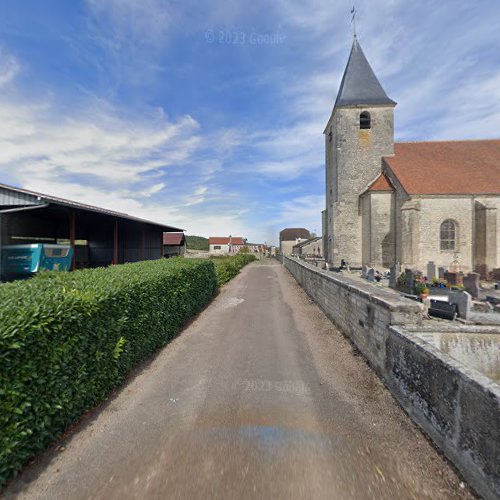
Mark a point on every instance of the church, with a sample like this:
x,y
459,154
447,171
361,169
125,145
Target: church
x,y
408,202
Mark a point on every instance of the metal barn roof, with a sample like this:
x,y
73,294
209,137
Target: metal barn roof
x,y
11,196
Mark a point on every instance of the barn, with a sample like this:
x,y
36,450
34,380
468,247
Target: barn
x,y
99,236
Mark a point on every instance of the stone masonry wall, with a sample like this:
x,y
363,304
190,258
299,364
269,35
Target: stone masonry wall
x,y
458,408
353,160
353,306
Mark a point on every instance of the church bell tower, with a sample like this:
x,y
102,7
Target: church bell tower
x,y
358,134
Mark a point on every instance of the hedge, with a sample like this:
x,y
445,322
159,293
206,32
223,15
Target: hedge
x,y
68,339
228,267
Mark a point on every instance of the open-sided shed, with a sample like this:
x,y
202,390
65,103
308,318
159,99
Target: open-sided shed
x,y
100,237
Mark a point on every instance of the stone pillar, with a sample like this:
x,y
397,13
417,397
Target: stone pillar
x,y
410,234
491,238
485,239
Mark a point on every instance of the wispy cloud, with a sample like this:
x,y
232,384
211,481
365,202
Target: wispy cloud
x,y
135,110
9,67
124,23
94,142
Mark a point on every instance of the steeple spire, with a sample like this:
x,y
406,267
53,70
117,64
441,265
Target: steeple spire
x,y
359,84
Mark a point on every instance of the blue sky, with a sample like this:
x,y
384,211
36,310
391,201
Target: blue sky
x,y
208,115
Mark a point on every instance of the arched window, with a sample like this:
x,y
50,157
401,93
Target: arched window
x,y
448,235
365,121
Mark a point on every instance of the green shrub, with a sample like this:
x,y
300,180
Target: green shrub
x,y
228,267
68,339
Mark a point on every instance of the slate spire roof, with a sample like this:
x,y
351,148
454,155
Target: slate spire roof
x,y
359,84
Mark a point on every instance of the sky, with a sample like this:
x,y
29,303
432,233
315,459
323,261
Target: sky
x,y
208,115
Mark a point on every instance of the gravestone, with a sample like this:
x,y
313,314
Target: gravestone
x,y
441,272
371,274
431,271
454,279
364,271
471,284
410,280
493,297
463,300
395,272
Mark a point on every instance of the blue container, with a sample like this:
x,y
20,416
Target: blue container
x,y
20,261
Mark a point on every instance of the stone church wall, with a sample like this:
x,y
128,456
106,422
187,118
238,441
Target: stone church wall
x,y
434,211
418,223
378,229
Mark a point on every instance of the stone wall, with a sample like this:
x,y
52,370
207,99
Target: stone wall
x,y
418,223
434,211
362,314
457,407
377,208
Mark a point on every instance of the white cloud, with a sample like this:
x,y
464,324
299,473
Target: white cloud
x,y
102,144
9,67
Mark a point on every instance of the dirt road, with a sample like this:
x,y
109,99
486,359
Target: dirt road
x,y
260,397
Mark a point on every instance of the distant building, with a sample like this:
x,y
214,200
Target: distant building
x,y
174,244
290,237
312,247
225,245
256,248
407,203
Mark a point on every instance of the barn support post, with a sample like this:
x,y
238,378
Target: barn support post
x,y
1,243
143,244
72,237
115,243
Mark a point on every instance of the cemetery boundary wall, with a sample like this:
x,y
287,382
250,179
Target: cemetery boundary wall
x,y
458,408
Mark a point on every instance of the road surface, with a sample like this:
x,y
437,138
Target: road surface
x,y
260,397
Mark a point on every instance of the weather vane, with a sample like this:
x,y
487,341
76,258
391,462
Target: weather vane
x,y
353,18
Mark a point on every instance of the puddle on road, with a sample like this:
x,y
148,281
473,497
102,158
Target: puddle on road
x,y
480,351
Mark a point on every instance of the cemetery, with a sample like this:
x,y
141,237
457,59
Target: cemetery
x,y
447,293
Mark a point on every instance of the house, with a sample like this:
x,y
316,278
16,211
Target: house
x,y
290,237
407,202
312,247
225,245
256,248
174,245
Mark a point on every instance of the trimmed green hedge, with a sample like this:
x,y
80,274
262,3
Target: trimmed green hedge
x,y
68,339
228,267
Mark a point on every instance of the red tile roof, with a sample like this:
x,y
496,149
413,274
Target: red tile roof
x,y
293,233
381,183
224,240
447,167
174,239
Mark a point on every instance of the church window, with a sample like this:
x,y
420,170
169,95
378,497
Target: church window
x,y
448,235
365,121
330,135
